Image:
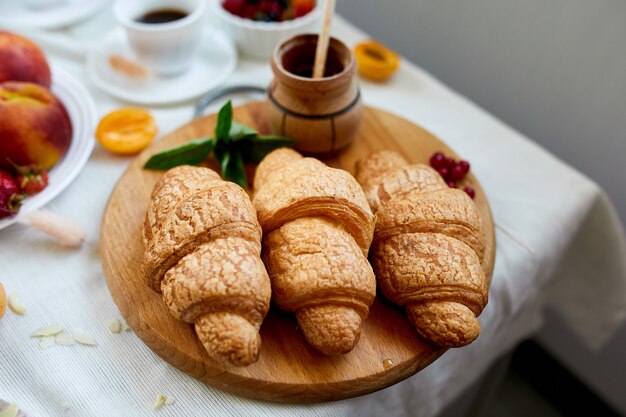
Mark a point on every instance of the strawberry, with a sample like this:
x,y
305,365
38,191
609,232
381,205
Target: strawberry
x,y
10,195
31,179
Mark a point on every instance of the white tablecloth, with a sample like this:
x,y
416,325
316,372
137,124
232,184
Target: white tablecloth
x,y
563,221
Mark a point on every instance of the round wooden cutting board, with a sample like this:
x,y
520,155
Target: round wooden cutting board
x,y
288,370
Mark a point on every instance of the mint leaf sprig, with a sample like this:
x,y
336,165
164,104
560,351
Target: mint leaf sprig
x,y
232,146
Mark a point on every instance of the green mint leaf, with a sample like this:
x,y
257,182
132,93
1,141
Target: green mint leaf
x,y
191,153
233,169
236,170
220,152
283,139
239,131
223,158
254,149
224,122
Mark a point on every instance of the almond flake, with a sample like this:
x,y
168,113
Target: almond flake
x,y
160,400
125,327
9,411
115,326
83,338
47,331
170,400
46,342
64,340
66,406
15,306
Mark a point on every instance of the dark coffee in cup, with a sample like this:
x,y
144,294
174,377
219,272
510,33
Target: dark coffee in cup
x,y
165,35
161,16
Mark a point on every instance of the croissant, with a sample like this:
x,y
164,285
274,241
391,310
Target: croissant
x,y
317,229
428,248
203,253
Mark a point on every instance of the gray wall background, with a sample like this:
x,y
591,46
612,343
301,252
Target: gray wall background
x,y
556,71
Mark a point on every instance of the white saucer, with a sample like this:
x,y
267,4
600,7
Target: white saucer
x,y
58,14
82,111
216,61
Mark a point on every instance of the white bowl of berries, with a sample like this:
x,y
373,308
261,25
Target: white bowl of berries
x,y
257,26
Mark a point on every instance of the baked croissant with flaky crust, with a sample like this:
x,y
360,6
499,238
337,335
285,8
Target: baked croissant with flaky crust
x,y
203,253
428,248
317,229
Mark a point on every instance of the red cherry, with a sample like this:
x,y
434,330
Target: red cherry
x,y
438,160
469,191
444,172
465,166
457,173
451,184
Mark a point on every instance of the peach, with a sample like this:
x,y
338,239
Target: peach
x,y
34,126
22,60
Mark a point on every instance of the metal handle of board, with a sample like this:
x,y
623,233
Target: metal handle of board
x,y
213,95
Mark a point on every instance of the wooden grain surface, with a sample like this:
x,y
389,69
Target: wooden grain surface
x,y
288,369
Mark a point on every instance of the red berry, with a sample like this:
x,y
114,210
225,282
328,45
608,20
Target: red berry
x,y
469,191
451,184
269,7
438,160
248,11
10,195
464,165
450,162
264,6
234,6
457,172
275,11
444,172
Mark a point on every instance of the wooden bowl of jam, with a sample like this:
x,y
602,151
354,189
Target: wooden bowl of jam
x,y
322,115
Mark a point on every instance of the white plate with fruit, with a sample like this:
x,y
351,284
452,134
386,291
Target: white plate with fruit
x,y
82,112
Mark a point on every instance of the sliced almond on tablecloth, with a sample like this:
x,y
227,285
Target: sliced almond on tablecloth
x,y
10,410
117,326
46,342
114,326
64,339
15,305
83,338
160,400
47,331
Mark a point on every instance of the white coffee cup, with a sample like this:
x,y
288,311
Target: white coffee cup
x,y
169,48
